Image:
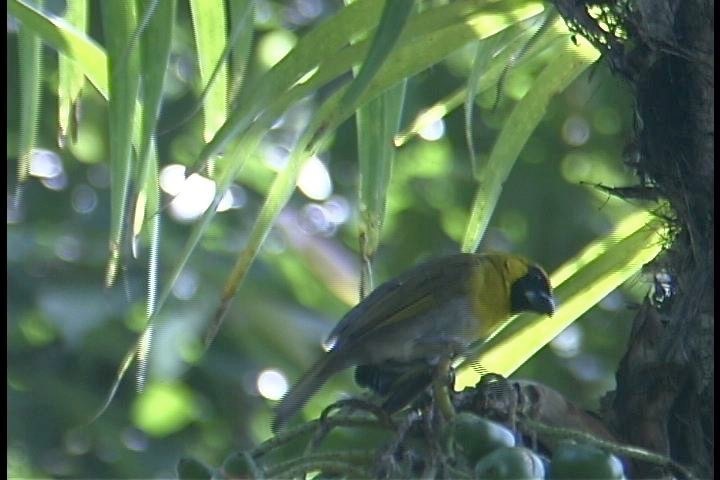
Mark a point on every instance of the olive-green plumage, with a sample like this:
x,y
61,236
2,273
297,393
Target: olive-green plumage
x,y
433,310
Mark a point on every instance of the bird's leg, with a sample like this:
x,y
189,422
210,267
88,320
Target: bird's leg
x,y
441,393
443,404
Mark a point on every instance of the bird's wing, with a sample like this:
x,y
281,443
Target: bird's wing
x,y
411,294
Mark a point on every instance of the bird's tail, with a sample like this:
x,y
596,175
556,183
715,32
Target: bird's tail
x,y
305,388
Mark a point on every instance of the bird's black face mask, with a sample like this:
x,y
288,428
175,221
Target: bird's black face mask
x,y
532,293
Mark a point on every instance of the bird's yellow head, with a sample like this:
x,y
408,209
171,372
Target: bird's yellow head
x,y
507,285
530,290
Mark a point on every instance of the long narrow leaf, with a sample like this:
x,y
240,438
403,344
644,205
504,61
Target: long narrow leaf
x,y
377,124
318,44
557,75
392,22
149,197
209,27
516,35
240,39
429,37
485,53
155,42
279,194
70,76
423,43
30,53
242,13
550,19
63,37
119,22
141,347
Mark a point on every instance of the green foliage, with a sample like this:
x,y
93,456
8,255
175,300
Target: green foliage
x,y
131,76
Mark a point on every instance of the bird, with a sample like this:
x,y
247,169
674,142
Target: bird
x,y
434,310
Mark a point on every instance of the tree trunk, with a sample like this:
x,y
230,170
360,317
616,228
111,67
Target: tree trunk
x,y
664,49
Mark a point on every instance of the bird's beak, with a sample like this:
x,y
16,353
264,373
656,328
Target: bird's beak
x,y
541,302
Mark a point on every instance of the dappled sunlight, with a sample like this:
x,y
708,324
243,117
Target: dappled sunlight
x,y
487,24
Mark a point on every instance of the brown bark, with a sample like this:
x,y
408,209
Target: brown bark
x,y
664,397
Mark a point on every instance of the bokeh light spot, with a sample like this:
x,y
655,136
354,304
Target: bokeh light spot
x,y
607,121
195,197
576,167
272,384
68,248
568,343
515,225
186,285
45,164
433,131
314,180
134,439
84,199
37,330
164,408
172,179
99,176
274,46
226,202
576,131
56,183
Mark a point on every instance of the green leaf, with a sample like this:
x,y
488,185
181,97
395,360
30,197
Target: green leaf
x,y
270,89
241,37
377,124
323,55
209,27
155,41
564,67
434,34
392,22
148,200
29,50
64,38
70,76
119,22
488,71
485,53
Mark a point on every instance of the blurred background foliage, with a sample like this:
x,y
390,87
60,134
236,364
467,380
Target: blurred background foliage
x,y
67,333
